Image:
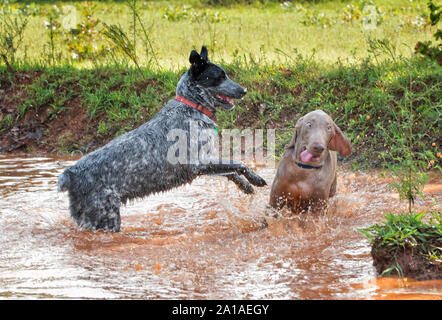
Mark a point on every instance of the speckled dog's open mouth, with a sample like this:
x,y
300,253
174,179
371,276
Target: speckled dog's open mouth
x,y
225,101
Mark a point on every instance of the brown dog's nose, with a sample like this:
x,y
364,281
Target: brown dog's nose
x,y
318,148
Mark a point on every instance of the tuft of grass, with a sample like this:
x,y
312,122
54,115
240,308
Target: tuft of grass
x,y
6,122
407,230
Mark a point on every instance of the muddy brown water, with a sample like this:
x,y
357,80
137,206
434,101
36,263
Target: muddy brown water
x,y
200,241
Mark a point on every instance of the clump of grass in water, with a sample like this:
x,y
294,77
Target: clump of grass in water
x,y
408,230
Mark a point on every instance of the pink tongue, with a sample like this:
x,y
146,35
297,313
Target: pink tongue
x,y
225,98
306,156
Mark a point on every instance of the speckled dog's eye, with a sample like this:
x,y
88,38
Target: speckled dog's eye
x,y
329,128
308,125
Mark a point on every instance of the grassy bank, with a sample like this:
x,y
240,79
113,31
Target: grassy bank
x,y
64,109
74,75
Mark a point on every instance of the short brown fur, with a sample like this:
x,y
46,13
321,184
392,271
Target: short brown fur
x,y
301,187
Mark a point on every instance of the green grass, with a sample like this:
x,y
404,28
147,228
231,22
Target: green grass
x,y
401,231
268,33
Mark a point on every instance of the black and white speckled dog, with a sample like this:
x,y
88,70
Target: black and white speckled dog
x,y
138,163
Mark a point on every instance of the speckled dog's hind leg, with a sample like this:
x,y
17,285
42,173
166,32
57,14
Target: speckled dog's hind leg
x,y
101,213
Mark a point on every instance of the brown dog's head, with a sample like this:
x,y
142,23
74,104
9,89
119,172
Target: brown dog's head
x,y
315,133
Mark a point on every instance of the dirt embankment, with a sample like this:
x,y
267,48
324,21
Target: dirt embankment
x,y
28,125
63,110
408,261
44,129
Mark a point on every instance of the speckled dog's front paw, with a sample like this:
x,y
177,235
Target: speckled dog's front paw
x,y
255,179
243,184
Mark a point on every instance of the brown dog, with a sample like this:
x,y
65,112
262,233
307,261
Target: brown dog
x,y
306,175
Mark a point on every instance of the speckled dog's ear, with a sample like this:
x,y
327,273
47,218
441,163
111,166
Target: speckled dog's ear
x,y
198,63
194,57
204,53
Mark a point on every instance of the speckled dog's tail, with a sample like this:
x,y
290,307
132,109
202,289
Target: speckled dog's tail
x,y
64,181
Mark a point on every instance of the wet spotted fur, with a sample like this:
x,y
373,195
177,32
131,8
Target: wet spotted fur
x,y
136,164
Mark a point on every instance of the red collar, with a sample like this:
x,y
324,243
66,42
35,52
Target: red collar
x,y
198,107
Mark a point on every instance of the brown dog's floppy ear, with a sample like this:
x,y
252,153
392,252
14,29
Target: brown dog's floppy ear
x,y
340,143
292,142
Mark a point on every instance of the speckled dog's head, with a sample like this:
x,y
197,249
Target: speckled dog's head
x,y
208,84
